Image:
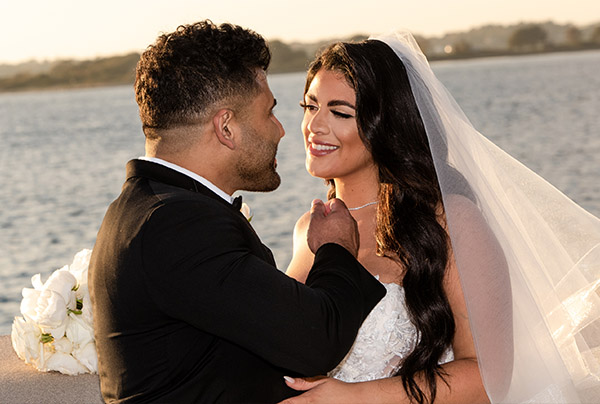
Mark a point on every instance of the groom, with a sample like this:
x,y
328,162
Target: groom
x,y
188,304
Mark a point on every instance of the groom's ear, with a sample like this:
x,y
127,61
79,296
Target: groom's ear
x,y
224,128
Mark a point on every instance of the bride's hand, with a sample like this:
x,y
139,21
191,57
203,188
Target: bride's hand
x,y
321,389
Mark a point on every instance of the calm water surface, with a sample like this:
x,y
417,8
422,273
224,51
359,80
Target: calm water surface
x,y
63,154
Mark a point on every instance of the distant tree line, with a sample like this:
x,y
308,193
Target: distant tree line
x,y
100,72
534,37
119,70
526,39
285,59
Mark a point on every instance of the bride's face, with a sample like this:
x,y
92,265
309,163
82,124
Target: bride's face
x,y
333,146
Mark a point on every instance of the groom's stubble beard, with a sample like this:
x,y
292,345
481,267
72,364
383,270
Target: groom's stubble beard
x,y
256,166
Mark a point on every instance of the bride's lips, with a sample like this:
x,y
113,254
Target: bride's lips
x,y
319,149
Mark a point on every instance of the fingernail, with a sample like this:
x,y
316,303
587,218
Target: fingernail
x,y
289,379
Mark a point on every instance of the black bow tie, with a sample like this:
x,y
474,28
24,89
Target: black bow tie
x,y
237,202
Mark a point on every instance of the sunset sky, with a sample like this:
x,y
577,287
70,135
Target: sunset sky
x,y
41,29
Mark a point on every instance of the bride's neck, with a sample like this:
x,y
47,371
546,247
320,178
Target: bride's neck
x,y
357,190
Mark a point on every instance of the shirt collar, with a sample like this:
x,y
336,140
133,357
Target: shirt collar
x,y
192,175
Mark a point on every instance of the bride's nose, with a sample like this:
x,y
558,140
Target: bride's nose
x,y
317,123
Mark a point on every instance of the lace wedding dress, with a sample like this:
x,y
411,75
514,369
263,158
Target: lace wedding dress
x,y
385,338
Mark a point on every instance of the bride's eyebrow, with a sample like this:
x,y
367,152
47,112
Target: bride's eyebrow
x,y
332,103
337,103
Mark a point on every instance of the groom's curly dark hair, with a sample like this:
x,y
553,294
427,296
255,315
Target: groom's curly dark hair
x,y
186,73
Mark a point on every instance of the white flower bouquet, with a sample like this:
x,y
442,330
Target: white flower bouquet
x,y
56,330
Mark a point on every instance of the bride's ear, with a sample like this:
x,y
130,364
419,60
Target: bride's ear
x,y
224,128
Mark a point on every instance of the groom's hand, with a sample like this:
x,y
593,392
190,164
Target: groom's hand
x,y
331,222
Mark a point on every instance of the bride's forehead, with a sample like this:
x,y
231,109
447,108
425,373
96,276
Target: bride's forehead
x,y
331,81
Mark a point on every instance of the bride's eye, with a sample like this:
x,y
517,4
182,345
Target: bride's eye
x,y
341,114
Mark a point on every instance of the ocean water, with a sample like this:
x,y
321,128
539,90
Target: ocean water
x,y
63,154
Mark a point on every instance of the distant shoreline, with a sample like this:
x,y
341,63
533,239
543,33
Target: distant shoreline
x,y
23,83
486,54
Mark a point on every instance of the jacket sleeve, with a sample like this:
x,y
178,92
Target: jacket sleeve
x,y
200,269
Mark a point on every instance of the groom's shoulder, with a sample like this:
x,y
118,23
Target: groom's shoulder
x,y
143,200
160,193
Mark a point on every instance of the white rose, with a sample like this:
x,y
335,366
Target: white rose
x,y
78,332
87,356
63,282
25,338
29,303
30,297
51,310
64,363
57,332
86,311
36,281
79,269
46,351
56,297
63,345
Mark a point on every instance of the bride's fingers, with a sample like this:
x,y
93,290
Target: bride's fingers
x,y
303,384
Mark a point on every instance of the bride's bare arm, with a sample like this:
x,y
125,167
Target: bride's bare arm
x,y
302,257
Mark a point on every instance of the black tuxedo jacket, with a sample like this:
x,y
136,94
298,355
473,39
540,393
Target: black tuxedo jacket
x,y
189,306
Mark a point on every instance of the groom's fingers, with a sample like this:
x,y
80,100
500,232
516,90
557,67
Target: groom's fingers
x,y
331,222
335,205
317,208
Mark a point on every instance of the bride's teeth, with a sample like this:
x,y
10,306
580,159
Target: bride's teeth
x,y
323,147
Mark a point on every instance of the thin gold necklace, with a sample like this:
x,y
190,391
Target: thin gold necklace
x,y
364,206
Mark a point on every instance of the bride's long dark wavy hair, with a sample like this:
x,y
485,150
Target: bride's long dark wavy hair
x,y
409,214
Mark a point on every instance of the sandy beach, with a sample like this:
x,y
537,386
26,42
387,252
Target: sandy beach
x,y
23,384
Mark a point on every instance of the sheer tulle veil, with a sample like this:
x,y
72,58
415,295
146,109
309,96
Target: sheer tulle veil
x,y
528,257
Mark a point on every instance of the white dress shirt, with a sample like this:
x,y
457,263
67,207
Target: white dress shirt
x,y
192,175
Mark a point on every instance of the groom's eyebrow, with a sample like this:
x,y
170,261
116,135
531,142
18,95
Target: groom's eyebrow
x,y
311,97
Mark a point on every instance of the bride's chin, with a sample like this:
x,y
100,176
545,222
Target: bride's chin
x,y
315,172
317,175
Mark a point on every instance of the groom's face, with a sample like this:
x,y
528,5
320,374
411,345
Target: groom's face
x,y
262,132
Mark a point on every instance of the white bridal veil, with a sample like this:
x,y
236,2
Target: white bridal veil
x,y
530,269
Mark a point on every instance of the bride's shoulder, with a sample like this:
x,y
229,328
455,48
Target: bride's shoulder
x,y
470,229
465,216
302,257
461,207
302,223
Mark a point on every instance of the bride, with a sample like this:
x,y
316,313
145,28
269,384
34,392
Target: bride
x,y
491,272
